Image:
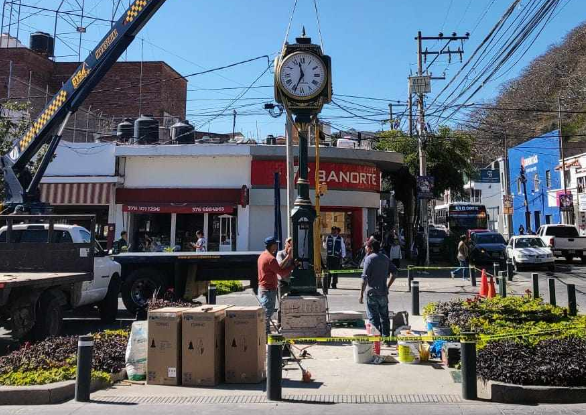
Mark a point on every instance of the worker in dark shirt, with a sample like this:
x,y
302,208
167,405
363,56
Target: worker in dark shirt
x,y
121,245
377,268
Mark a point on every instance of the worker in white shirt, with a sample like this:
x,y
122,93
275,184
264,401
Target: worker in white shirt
x,y
336,251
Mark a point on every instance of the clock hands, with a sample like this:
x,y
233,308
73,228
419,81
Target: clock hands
x,y
301,76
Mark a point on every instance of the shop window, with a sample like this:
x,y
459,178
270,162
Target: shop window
x,y
151,233
222,233
519,186
187,226
536,182
548,178
581,184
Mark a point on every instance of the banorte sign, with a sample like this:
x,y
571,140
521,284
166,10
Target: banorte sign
x,y
337,176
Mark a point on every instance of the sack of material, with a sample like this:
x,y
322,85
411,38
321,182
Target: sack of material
x,y
136,351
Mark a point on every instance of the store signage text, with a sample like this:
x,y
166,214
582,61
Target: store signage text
x,y
337,176
529,160
170,208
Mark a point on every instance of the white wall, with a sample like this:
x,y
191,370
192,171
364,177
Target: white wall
x,y
187,172
262,224
83,159
243,228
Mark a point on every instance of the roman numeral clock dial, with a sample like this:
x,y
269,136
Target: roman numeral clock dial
x,y
302,75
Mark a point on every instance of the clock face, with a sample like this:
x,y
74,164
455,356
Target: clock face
x,y
302,75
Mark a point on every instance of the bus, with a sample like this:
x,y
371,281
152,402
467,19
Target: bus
x,y
461,217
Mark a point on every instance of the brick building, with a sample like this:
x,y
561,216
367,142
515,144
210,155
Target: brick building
x,y
28,76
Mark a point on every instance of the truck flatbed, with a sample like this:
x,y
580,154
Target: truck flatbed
x,y
162,257
42,279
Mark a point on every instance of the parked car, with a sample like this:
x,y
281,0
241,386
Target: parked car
x,y
437,242
488,248
471,232
564,241
530,250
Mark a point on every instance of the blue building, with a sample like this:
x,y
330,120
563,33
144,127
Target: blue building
x,y
540,158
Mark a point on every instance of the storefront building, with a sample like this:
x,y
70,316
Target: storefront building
x,y
167,193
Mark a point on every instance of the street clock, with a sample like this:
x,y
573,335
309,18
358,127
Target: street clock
x,y
303,78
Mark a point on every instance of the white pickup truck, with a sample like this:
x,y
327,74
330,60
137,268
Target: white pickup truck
x,y
564,241
47,268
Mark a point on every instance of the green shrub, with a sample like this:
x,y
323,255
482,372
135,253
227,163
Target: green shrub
x,y
227,287
46,376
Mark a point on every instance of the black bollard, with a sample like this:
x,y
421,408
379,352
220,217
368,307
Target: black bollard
x,y
551,283
473,276
510,269
212,294
502,284
83,380
468,354
326,283
409,279
274,367
572,306
535,279
415,298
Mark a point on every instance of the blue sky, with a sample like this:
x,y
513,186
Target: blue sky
x,y
371,43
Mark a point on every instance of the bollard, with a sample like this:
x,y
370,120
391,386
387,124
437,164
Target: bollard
x,y
468,350
535,279
472,275
83,380
502,284
409,279
572,306
274,367
551,283
212,294
326,283
415,298
510,269
495,268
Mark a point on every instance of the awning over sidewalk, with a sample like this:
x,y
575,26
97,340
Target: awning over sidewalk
x,y
76,194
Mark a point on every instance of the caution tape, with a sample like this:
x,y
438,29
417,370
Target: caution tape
x,y
462,338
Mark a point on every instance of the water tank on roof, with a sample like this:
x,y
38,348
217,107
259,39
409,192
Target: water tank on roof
x,y
125,130
183,133
146,130
43,43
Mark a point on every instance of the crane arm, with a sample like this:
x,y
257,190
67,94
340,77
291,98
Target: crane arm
x,y
18,186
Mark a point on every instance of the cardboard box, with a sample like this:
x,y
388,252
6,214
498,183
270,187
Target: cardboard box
x,y
164,346
245,345
203,345
304,305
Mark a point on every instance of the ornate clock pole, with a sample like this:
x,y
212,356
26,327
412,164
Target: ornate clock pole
x,y
303,84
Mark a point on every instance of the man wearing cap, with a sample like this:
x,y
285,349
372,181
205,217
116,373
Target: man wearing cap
x,y
377,268
285,277
268,276
336,251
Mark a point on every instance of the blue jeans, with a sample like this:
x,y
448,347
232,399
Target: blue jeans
x,y
268,300
463,269
377,309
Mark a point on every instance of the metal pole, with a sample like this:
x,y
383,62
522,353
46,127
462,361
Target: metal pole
x,y
85,346
502,284
409,279
290,175
317,226
551,284
508,217
535,280
391,124
415,298
468,350
9,86
563,214
212,294
274,368
495,268
572,306
472,272
510,270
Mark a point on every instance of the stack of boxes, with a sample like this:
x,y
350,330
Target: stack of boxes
x,y
202,346
304,316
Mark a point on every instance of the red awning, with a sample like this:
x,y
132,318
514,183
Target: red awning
x,y
569,165
76,194
176,208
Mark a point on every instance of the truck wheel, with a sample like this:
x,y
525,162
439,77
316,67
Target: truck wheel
x,y
139,287
109,305
49,318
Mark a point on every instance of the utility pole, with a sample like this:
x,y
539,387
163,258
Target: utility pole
x,y
421,86
410,105
391,123
567,217
234,114
508,217
527,213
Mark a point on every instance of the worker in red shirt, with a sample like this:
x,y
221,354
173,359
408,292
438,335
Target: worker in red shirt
x,y
268,276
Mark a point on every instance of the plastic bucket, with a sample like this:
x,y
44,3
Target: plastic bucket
x,y
363,352
408,352
431,325
372,331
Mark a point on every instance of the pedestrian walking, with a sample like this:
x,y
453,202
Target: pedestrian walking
x,y
377,268
463,255
335,251
421,248
395,253
268,277
202,244
285,259
521,230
